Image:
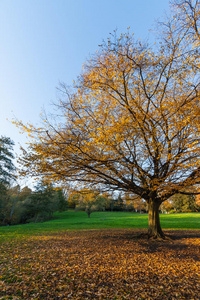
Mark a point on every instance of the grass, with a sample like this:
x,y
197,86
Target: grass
x,y
71,220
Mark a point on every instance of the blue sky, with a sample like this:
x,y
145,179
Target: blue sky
x,y
44,42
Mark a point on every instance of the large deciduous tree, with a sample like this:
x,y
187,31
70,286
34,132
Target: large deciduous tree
x,y
131,121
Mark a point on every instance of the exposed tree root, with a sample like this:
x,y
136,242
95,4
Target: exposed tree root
x,y
157,237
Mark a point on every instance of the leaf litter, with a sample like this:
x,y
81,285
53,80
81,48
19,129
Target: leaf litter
x,y
101,264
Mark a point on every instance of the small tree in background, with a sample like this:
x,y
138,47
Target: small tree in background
x,y
90,201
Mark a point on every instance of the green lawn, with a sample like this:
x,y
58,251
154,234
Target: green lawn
x,y
71,220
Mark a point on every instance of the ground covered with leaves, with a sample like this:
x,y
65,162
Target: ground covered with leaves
x,y
101,264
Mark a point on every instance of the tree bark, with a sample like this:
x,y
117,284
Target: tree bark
x,y
88,213
154,229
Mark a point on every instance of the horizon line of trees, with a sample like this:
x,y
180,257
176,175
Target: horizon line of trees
x,y
22,205
90,200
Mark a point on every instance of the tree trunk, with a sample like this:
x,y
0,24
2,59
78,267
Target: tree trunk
x,y
88,211
154,229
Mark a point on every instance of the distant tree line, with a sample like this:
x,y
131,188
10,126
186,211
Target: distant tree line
x,y
19,206
22,205
90,200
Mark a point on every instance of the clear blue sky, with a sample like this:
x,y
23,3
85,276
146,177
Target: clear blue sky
x,y
43,42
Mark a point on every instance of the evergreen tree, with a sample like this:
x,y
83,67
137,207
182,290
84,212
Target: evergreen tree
x,y
7,168
41,204
7,173
62,202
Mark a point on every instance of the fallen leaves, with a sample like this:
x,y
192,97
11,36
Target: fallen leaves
x,y
106,264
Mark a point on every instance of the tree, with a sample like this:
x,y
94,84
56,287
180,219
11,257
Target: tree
x,y
40,204
197,199
129,200
72,198
184,203
130,123
167,206
24,193
4,199
139,204
90,201
108,200
14,207
62,202
187,19
7,173
117,204
14,194
7,168
19,197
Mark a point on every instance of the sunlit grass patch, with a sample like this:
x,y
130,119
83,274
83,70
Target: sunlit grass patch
x,y
72,220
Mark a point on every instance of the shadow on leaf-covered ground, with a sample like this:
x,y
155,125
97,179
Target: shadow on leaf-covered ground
x,y
101,264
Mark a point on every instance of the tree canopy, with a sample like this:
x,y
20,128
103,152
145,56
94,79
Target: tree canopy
x,y
131,120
